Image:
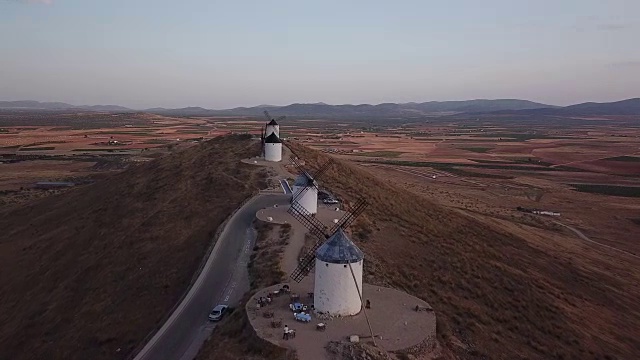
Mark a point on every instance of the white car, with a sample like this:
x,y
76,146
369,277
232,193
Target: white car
x,y
217,312
330,201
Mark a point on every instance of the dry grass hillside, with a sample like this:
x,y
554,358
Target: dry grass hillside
x,y
89,273
495,294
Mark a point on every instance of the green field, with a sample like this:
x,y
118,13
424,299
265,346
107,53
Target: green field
x,y
445,166
466,173
193,132
532,161
132,133
42,148
107,150
390,154
481,161
158,141
624,158
612,190
477,149
43,143
520,137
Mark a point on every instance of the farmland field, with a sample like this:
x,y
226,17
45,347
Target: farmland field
x,y
587,172
41,146
492,166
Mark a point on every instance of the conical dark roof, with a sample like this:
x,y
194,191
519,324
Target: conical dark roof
x,y
272,122
272,139
339,249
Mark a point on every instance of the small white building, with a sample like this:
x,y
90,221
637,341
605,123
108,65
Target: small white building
x,y
272,148
272,128
309,198
335,290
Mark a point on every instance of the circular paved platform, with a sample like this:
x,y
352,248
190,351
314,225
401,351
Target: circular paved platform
x,y
279,215
395,322
260,161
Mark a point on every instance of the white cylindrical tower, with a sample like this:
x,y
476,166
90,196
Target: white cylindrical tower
x,y
335,291
273,128
309,199
272,148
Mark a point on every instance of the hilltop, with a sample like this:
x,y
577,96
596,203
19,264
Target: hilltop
x,y
496,294
89,273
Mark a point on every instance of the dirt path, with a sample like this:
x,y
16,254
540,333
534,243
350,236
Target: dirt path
x,y
585,238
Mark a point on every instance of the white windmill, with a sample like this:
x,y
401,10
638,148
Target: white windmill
x,y
305,187
272,124
338,276
338,264
272,148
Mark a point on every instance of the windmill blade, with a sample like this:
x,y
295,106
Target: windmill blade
x,y
310,222
351,216
266,113
318,173
297,165
281,118
295,154
323,169
307,263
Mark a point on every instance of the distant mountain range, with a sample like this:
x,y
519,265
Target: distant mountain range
x,y
363,110
623,107
386,110
36,105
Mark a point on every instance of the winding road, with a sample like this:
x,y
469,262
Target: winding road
x,y
223,280
585,238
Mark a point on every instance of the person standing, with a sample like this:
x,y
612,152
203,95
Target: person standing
x,y
285,336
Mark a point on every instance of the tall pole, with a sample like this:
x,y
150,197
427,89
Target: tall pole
x,y
363,307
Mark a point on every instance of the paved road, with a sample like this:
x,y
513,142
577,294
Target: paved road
x,y
223,280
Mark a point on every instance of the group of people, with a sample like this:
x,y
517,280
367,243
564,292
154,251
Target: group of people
x,y
262,301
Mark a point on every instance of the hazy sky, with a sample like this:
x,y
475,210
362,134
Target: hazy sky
x,y
220,54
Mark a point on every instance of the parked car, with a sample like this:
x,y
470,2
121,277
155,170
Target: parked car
x,y
217,312
323,194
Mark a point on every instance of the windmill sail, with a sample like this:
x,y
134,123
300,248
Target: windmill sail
x,y
305,218
351,216
307,263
